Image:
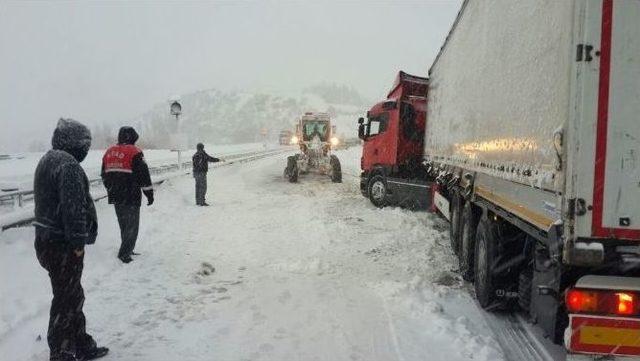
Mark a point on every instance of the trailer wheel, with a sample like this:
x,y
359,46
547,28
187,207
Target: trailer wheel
x,y
485,256
469,225
377,191
336,171
455,215
291,171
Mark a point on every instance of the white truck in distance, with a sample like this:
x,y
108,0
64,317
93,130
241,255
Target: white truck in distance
x,y
532,151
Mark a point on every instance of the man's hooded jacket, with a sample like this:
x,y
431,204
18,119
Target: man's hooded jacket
x,y
125,174
64,210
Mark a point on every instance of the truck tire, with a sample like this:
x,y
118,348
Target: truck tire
x,y
485,257
292,169
469,226
336,170
377,191
455,216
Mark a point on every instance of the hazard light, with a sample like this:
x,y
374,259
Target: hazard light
x,y
625,304
602,302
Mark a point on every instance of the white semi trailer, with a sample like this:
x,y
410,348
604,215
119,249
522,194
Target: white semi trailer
x,y
533,136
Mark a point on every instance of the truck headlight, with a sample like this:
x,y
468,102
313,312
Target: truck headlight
x,y
294,140
334,141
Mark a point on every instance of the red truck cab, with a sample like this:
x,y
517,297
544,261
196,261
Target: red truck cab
x,y
393,135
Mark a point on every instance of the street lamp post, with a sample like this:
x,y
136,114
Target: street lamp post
x,y
176,110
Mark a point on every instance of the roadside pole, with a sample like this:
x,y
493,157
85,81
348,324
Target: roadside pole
x,y
176,110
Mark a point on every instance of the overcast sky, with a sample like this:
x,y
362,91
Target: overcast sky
x,y
109,62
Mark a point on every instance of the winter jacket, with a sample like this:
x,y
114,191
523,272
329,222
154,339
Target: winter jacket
x,y
64,210
201,161
125,174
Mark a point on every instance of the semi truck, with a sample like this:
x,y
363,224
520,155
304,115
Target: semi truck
x,y
529,126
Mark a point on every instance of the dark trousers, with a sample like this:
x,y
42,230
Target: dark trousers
x,y
201,186
129,221
67,324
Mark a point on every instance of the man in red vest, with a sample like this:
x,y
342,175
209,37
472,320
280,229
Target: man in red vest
x,y
125,174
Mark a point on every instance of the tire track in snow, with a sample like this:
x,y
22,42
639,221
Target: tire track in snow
x,y
392,331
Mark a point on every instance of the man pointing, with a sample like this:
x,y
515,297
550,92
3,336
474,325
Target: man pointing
x,y
200,168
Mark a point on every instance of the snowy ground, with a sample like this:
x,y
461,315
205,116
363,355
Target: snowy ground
x,y
308,271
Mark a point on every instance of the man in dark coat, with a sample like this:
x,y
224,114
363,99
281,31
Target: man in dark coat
x,y
65,221
200,168
125,174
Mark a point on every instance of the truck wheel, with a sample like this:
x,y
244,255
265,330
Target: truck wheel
x,y
336,171
292,169
378,191
455,215
469,226
485,256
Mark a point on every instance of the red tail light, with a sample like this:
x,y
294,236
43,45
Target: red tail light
x,y
602,302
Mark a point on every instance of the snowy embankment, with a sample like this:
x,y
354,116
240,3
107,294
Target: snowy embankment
x,y
271,271
17,171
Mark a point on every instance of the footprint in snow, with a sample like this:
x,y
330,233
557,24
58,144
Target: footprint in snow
x,y
206,269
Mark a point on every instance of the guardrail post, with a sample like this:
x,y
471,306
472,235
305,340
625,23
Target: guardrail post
x,y
20,200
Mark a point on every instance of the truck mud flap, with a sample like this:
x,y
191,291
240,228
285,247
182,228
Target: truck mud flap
x,y
545,295
364,182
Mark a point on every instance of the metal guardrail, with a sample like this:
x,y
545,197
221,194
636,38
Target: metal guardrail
x,y
20,197
23,214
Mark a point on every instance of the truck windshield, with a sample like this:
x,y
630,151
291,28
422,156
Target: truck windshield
x,y
313,128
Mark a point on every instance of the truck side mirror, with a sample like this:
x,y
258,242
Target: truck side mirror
x,y
361,134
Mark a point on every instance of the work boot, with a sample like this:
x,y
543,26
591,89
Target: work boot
x,y
91,354
90,351
205,204
125,259
62,356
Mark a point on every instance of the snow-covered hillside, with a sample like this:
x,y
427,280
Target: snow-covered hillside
x,y
232,117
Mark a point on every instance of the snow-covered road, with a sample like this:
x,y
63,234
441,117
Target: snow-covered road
x,y
308,271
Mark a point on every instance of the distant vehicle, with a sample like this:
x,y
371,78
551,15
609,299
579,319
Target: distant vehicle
x,y
285,137
529,146
316,137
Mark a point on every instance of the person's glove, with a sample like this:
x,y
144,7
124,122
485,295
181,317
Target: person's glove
x,y
149,195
